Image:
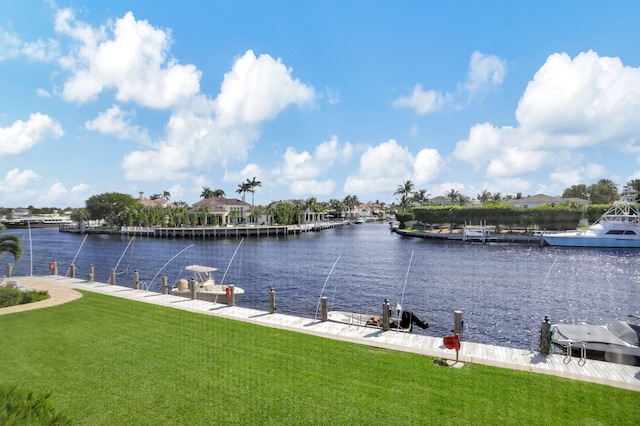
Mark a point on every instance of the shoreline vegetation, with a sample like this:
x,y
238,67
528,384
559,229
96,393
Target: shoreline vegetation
x,y
177,367
12,296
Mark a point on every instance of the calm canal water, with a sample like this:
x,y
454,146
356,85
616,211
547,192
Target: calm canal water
x,y
503,290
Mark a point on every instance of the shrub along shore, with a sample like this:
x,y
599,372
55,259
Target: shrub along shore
x,y
113,361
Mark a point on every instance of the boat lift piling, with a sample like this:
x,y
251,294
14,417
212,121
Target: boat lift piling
x,y
92,273
165,287
231,301
325,313
385,315
545,336
192,289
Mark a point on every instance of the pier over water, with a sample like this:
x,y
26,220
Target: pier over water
x,y
212,231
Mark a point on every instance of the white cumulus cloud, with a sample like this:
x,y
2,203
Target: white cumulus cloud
x,y
204,132
116,122
22,135
423,101
485,72
130,56
18,181
258,89
570,105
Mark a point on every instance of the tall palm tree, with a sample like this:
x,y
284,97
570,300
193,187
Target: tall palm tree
x,y
243,188
405,189
253,184
421,197
484,197
605,191
453,195
206,192
11,244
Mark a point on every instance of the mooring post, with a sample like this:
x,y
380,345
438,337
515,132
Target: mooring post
x,y
72,271
272,300
545,336
54,269
385,315
164,284
9,269
135,279
325,314
192,287
458,324
91,273
112,276
231,301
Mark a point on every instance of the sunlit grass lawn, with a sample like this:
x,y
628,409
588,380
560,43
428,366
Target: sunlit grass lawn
x,y
114,361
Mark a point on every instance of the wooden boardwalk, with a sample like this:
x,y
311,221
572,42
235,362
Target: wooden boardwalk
x,y
623,376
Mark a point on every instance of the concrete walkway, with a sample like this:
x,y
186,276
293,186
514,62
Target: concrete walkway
x,y
62,290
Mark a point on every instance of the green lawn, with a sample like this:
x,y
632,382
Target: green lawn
x,y
114,361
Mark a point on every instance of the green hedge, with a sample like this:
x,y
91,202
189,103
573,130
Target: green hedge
x,y
19,407
501,216
13,296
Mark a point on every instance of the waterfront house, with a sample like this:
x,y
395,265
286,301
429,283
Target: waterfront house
x,y
222,210
542,200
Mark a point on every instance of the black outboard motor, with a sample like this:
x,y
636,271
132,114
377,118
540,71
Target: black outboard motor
x,y
409,318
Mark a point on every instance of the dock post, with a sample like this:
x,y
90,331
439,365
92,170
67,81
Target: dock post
x,y
72,271
458,324
232,300
164,284
385,315
272,301
136,276
9,269
545,336
91,273
54,268
325,315
192,287
112,276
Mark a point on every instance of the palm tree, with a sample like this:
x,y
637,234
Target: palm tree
x,y
253,184
421,197
203,212
166,195
219,193
405,189
243,188
605,191
206,192
351,201
484,197
11,244
453,195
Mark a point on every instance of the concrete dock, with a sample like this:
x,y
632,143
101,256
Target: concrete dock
x,y
62,289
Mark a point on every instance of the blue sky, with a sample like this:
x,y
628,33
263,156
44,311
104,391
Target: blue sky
x,y
315,99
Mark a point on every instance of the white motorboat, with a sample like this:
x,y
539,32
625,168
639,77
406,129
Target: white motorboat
x,y
619,227
205,286
618,342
